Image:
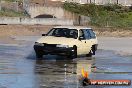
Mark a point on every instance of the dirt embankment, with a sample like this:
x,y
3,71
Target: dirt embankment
x,y
22,30
8,31
113,32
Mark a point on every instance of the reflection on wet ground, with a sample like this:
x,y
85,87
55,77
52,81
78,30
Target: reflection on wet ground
x,y
20,69
60,73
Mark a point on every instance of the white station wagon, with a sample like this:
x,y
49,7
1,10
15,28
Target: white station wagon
x,y
70,41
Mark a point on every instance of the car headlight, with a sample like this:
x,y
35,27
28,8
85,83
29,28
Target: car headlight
x,y
65,46
39,44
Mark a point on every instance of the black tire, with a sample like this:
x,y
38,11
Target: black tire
x,y
74,54
39,55
89,54
93,49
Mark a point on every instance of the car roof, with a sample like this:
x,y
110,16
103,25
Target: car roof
x,y
73,27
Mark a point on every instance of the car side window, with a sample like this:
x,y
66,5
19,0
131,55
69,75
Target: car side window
x,y
87,34
92,34
84,34
81,34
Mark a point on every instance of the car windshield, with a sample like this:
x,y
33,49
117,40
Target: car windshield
x,y
63,32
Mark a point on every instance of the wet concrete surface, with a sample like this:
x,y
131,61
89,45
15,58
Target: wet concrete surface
x,y
19,68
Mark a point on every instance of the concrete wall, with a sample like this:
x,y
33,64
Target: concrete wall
x,y
32,21
58,12
77,1
35,10
102,2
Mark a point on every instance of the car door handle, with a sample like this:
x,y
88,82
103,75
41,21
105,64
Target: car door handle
x,y
85,41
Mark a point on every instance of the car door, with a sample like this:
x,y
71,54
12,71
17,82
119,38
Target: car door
x,y
92,36
88,40
83,44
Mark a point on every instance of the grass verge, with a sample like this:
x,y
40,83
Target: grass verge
x,y
10,13
110,15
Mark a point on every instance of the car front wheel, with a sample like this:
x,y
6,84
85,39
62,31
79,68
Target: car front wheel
x,y
74,53
39,54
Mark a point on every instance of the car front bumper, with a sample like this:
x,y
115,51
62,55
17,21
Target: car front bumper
x,y
53,50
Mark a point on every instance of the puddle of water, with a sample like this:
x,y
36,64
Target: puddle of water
x,y
20,69
15,70
60,73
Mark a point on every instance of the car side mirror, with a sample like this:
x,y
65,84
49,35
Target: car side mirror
x,y
43,34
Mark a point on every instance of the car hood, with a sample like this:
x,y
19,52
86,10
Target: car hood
x,y
55,40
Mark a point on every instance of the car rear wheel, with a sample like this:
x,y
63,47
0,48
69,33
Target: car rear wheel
x,y
94,48
90,53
